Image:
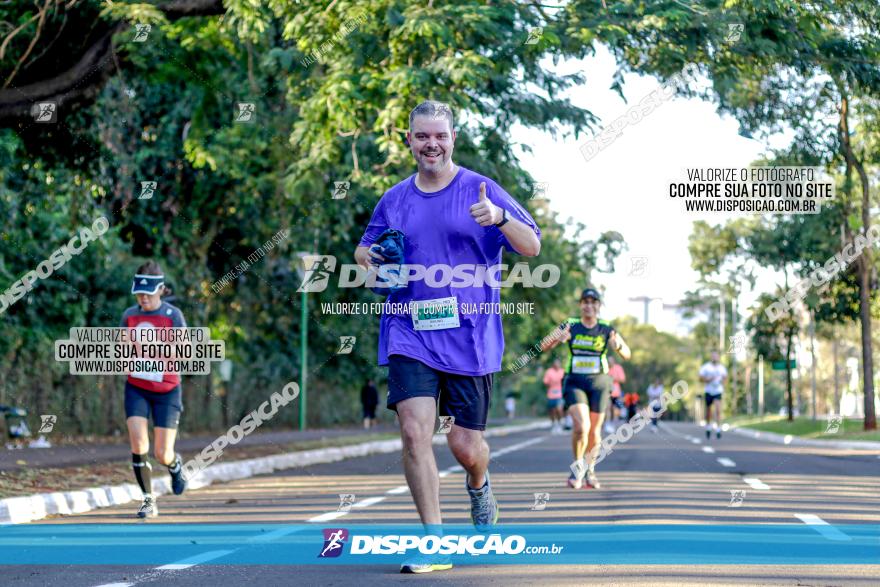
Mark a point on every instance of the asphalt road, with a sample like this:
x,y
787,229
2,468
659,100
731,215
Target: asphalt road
x,y
674,476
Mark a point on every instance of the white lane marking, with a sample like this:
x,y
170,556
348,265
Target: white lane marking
x,y
669,430
193,560
450,470
687,437
517,446
755,483
822,527
365,503
326,517
726,462
708,449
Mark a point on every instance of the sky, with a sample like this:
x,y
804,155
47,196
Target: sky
x,y
625,186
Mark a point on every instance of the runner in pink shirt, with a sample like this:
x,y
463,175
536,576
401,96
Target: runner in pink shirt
x,y
553,380
615,371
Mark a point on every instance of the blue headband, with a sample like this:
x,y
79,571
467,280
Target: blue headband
x,y
147,284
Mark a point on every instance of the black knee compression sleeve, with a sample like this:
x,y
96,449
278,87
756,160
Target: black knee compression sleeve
x,y
143,472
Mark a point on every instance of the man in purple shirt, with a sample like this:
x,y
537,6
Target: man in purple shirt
x,y
453,217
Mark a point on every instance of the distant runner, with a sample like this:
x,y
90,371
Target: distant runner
x,y
587,384
553,378
369,401
713,374
617,406
655,390
631,401
156,394
452,216
510,405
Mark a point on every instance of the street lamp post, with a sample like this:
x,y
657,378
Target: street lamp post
x,y
308,260
304,357
645,300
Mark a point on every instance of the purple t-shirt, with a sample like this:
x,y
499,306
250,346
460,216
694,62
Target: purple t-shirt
x,y
439,229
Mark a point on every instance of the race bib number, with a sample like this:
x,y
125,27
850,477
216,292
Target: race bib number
x,y
147,375
585,365
436,314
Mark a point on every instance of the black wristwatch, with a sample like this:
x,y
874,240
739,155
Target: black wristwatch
x,y
504,218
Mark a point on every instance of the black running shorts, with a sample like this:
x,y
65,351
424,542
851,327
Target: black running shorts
x,y
593,390
464,397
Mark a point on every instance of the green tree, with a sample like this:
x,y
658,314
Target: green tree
x,y
331,88
793,66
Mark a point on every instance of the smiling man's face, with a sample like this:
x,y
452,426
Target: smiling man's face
x,y
432,142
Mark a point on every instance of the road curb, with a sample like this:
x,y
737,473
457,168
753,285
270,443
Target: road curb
x,y
29,508
796,441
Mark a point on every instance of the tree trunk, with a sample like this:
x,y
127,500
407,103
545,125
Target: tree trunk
x,y
788,374
863,266
747,386
867,359
836,410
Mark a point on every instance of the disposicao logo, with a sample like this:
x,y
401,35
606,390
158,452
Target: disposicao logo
x,y
334,540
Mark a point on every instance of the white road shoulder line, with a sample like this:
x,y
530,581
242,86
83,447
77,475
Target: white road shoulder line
x,y
822,527
194,560
708,449
398,490
755,483
726,462
116,585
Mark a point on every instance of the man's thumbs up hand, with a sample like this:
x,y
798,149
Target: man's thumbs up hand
x,y
484,211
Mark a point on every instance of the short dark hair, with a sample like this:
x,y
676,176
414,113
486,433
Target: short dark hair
x,y
149,268
434,110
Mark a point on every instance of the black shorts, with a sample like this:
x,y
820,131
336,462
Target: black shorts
x,y
710,399
593,390
370,412
165,407
464,397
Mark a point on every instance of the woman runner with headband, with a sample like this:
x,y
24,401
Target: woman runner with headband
x,y
158,394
